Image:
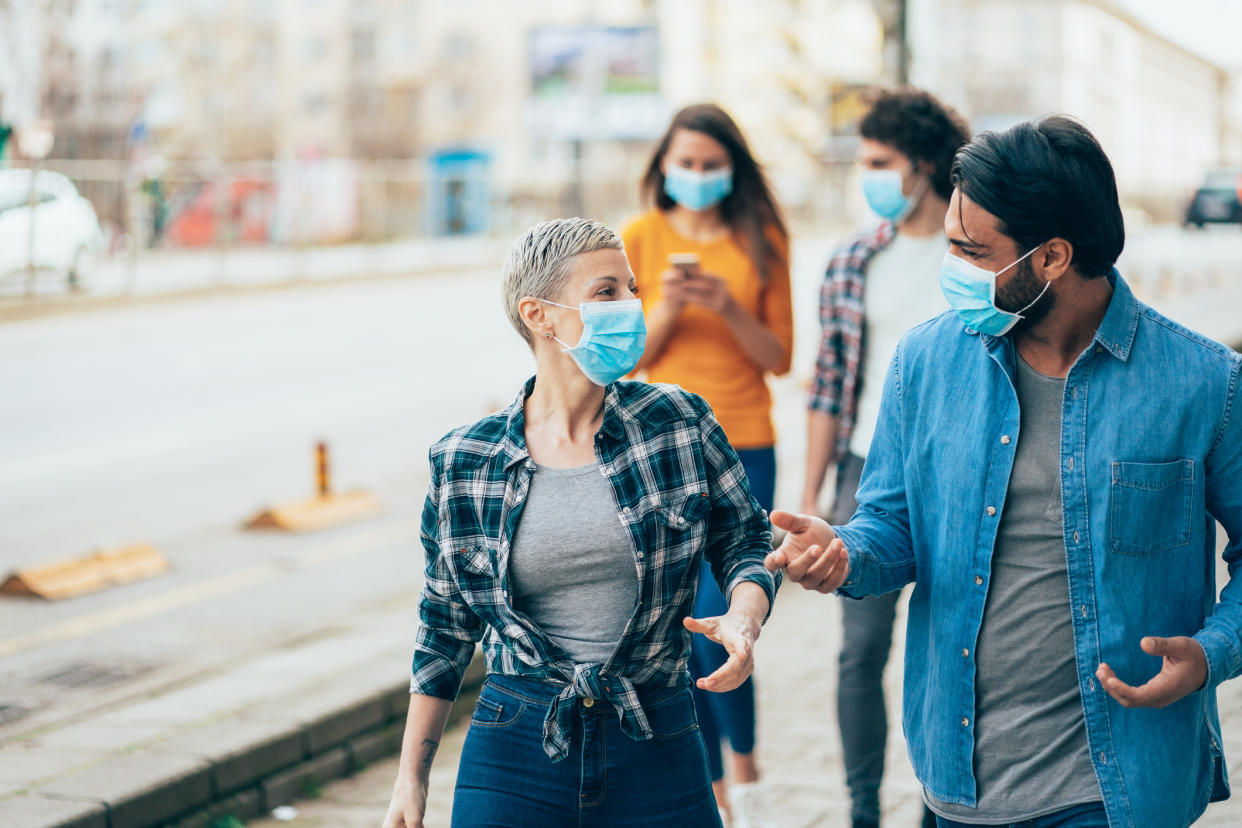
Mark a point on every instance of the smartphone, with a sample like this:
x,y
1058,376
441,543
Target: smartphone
x,y
686,263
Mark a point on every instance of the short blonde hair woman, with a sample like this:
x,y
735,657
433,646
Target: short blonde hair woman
x,y
566,532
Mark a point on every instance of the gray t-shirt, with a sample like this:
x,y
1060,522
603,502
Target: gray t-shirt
x,y
1031,756
570,564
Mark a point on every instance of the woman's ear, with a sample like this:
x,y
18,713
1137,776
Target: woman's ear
x,y
533,316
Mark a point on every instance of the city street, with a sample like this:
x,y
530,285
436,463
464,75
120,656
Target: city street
x,y
174,422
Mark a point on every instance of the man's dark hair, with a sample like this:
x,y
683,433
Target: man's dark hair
x,y
1047,178
921,128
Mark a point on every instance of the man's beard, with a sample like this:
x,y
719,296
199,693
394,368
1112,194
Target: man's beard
x,y
1020,291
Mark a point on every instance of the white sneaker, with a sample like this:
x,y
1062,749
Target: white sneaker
x,y
748,806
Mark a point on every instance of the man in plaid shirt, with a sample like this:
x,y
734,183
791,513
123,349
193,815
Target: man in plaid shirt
x,y
877,286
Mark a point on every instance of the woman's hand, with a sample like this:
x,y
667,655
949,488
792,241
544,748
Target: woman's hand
x,y
737,634
672,290
736,631
408,804
707,290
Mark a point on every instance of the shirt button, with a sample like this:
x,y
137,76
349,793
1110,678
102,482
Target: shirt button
x,y
1091,684
640,556
1075,536
1103,758
626,511
965,722
1005,440
1083,609
588,702
991,511
978,579
1071,463
965,653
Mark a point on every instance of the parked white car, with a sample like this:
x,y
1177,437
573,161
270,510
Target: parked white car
x,y
67,236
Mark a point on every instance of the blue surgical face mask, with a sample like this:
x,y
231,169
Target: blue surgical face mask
x,y
882,189
971,292
613,337
696,190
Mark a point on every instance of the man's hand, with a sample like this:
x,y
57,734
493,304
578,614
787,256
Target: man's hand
x,y
1184,671
811,554
736,632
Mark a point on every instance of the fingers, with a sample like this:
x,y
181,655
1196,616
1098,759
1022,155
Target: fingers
x,y
1161,691
705,627
819,569
1156,646
789,521
729,676
775,560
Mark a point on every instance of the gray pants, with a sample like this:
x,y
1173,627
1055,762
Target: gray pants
x,y
868,635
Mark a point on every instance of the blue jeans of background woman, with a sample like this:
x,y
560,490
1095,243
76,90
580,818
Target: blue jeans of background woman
x,y
506,779
728,715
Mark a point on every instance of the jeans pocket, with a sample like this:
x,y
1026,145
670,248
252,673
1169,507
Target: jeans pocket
x,y
1149,507
496,709
671,713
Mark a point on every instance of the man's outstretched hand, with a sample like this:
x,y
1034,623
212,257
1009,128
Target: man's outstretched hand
x,y
1183,671
811,554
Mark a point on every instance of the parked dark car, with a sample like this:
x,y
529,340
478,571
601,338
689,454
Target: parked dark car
x,y
1218,199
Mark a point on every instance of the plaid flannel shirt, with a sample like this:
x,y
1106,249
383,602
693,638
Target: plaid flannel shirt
x,y
681,493
838,368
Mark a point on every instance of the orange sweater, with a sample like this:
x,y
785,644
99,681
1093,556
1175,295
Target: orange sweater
x,y
701,354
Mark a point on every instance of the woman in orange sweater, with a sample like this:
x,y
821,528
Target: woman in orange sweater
x,y
711,260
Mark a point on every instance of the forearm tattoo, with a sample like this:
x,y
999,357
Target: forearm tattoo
x,y
430,746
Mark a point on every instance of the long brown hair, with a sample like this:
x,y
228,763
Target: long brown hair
x,y
751,209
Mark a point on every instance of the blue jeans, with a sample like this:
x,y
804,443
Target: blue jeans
x,y
867,638
730,714
1089,815
505,778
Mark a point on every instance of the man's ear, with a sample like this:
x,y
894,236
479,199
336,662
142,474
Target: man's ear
x,y
1056,258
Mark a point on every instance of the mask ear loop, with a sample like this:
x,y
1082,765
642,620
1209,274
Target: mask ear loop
x,y
1047,284
565,345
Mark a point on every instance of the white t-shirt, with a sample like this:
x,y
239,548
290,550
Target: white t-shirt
x,y
902,290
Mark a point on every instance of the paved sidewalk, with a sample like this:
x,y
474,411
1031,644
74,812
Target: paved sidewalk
x,y
798,745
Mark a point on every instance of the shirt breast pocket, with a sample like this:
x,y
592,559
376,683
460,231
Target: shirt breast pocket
x,y
1149,507
681,526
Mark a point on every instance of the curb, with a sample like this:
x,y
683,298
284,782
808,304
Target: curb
x,y
223,789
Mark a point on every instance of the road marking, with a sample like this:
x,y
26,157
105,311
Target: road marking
x,y
318,555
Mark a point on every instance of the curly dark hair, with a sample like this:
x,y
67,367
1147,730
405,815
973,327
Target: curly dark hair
x,y
921,128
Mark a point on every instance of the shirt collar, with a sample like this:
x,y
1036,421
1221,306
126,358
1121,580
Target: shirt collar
x,y
1120,323
1117,329
513,444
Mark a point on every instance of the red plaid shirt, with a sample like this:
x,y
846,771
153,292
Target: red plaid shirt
x,y
838,369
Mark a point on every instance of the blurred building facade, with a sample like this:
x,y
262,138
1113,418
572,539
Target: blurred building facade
x,y
1164,115
464,116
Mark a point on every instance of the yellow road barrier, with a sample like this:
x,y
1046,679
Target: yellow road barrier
x,y
322,511
89,573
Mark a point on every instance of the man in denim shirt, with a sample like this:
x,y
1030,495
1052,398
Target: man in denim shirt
x,y
1048,469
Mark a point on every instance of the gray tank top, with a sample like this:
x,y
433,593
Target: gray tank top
x,y
571,567
1031,754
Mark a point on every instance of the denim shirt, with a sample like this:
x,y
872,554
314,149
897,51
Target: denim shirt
x,y
1151,458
